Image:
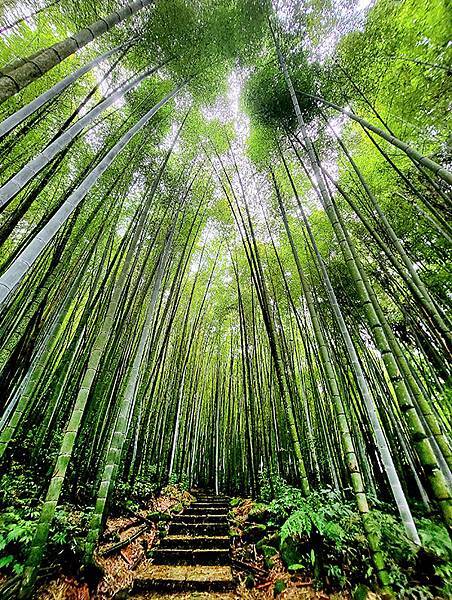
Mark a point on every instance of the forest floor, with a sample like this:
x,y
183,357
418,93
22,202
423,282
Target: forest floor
x,y
124,551
69,588
243,594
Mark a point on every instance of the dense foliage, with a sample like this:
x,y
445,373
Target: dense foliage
x,y
322,535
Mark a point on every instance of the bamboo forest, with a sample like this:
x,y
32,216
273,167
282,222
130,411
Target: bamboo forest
x,y
225,325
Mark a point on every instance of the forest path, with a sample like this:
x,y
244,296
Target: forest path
x,y
193,560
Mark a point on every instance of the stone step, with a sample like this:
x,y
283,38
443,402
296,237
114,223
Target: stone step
x,y
213,499
208,509
208,494
198,518
217,510
182,578
206,506
220,515
186,541
190,556
190,595
211,505
199,528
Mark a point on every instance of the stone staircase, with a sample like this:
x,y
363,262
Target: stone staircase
x,y
194,556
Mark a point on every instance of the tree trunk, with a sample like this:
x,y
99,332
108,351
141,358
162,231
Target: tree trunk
x,y
33,167
33,67
23,113
23,263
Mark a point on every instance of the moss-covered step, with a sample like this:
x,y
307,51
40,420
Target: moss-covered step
x,y
182,578
188,541
191,556
199,529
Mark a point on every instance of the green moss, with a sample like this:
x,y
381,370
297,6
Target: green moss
x,y
279,587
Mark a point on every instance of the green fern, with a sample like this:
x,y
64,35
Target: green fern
x,y
297,524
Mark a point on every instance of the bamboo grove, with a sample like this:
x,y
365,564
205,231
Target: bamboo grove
x,y
204,288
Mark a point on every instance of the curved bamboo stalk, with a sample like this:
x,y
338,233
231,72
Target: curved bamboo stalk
x,y
23,263
430,164
27,70
26,111
32,168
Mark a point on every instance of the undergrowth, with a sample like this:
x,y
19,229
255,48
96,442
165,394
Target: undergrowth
x,y
20,508
322,536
